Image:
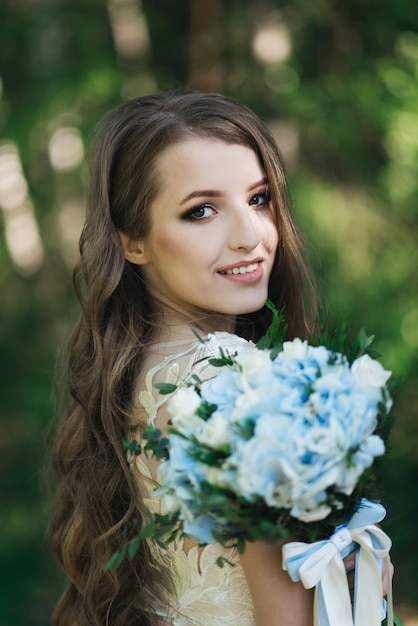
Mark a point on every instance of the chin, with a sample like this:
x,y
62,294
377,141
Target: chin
x,y
239,306
250,308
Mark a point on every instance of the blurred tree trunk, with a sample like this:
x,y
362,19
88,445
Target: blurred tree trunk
x,y
186,43
205,47
169,28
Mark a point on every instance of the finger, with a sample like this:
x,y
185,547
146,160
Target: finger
x,y
350,580
387,576
350,562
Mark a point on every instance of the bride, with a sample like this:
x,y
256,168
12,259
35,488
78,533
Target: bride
x,y
188,230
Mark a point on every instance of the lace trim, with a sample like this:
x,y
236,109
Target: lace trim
x,y
207,595
194,360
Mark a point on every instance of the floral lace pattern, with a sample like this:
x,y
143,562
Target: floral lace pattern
x,y
207,595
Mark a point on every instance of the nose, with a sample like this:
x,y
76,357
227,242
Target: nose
x,y
244,234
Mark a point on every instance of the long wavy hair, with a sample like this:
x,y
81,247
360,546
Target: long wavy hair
x,y
97,504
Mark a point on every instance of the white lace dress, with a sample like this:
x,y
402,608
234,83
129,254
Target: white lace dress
x,y
207,595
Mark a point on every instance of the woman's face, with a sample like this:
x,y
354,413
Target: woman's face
x,y
213,237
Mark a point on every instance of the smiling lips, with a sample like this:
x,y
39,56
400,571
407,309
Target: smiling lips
x,y
242,269
249,272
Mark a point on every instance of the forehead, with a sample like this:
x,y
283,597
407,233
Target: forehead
x,y
206,163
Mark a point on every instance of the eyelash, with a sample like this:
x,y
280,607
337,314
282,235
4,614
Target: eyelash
x,y
191,215
264,195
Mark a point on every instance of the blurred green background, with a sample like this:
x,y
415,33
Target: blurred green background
x,y
338,84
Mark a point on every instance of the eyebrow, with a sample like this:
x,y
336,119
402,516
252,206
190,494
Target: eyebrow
x,y
213,193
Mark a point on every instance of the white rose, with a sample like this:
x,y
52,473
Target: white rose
x,y
313,515
296,349
368,372
182,407
170,504
250,398
255,363
216,432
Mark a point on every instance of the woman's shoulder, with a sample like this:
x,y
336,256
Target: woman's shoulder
x,y
186,355
227,340
176,362
214,346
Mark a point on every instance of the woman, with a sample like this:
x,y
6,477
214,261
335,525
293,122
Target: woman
x,y
188,230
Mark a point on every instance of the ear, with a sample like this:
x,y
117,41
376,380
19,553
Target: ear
x,y
134,249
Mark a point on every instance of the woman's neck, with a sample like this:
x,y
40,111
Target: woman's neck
x,y
178,326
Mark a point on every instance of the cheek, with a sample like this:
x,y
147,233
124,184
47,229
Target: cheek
x,y
164,245
169,250
271,236
275,239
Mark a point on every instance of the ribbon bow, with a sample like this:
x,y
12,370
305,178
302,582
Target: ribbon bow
x,y
321,565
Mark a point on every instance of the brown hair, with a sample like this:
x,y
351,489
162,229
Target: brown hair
x,y
97,504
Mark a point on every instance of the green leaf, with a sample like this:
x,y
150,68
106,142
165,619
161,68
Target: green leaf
x,y
223,360
241,545
374,354
156,442
205,410
132,446
221,561
363,340
147,531
214,500
115,560
219,538
152,434
208,457
196,334
133,547
165,388
275,333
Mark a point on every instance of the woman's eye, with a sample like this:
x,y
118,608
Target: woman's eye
x,y
199,213
260,199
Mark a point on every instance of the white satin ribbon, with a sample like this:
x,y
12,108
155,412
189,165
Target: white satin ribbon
x,y
321,565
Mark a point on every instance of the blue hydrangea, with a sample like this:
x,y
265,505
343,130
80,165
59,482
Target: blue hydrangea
x,y
290,431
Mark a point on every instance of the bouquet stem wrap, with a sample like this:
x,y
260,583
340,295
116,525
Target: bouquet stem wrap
x,y
321,565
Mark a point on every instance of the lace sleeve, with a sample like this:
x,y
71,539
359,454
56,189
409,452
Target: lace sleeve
x,y
179,367
206,595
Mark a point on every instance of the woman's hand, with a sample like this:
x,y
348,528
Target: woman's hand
x,y
350,566
387,576
277,600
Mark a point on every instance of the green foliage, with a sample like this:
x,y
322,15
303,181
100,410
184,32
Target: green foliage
x,y
336,339
223,359
205,410
165,388
275,333
156,443
343,107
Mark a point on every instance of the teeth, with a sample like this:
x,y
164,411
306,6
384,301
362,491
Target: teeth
x,y
244,269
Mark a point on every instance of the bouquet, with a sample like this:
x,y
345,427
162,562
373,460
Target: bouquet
x,y
281,443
